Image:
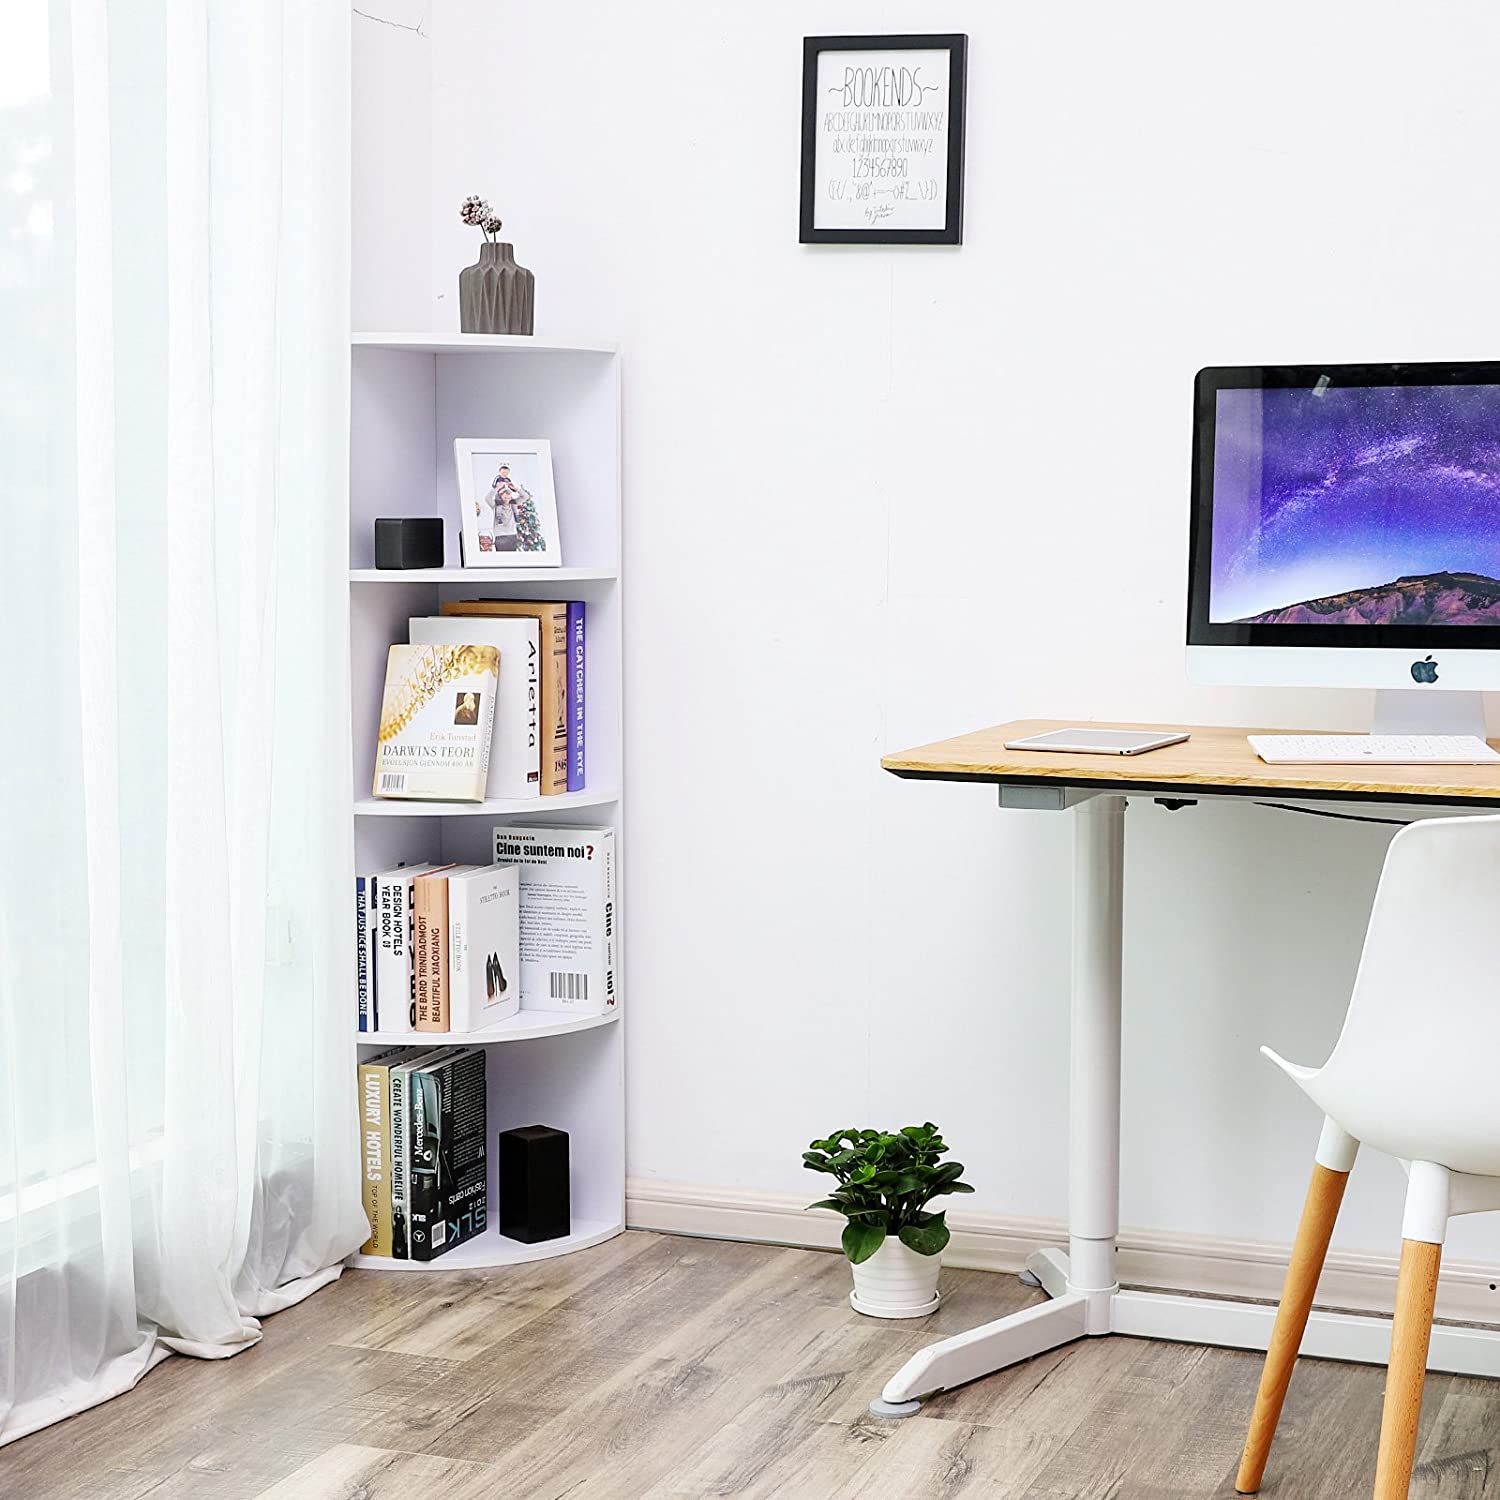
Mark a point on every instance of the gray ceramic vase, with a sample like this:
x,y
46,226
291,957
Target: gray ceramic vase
x,y
495,295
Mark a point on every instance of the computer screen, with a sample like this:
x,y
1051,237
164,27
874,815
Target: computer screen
x,y
1347,505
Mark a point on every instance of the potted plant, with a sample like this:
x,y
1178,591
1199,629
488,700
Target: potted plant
x,y
893,1241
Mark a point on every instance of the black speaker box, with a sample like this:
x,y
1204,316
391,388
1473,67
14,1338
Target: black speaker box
x,y
409,542
534,1183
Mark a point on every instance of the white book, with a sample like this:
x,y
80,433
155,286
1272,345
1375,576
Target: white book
x,y
391,923
569,920
484,960
516,743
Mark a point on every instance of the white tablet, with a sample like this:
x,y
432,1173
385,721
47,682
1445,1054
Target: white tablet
x,y
1098,741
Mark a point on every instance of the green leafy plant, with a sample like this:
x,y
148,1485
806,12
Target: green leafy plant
x,y
885,1184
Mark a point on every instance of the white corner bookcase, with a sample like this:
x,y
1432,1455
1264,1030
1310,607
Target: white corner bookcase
x,y
411,395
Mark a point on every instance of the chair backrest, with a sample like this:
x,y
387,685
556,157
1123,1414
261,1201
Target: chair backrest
x,y
1416,1069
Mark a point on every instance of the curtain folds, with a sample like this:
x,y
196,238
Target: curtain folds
x,y
178,1149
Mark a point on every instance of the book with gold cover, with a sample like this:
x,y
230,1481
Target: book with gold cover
x,y
435,722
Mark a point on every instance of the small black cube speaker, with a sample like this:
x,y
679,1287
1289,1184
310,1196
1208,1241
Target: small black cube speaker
x,y
534,1183
409,542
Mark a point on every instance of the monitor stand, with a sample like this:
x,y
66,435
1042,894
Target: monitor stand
x,y
1413,711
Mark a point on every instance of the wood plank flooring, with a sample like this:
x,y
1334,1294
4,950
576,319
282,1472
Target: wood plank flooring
x,y
656,1368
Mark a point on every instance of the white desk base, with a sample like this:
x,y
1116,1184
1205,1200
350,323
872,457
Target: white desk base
x,y
1086,1297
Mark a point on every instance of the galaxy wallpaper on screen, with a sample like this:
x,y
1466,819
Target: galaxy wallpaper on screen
x,y
1375,505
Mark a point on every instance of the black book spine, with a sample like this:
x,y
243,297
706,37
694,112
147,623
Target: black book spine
x,y
447,1188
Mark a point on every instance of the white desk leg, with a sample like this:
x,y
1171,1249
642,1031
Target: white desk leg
x,y
1094,1070
1082,1283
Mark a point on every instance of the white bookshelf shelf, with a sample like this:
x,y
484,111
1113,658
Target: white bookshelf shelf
x,y
411,396
479,343
524,1026
495,1250
487,578
540,808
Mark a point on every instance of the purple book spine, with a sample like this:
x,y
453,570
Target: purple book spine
x,y
577,654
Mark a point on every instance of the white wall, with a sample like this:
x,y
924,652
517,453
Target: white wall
x,y
390,223
876,497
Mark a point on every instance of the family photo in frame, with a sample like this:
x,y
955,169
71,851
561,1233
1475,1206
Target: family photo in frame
x,y
507,504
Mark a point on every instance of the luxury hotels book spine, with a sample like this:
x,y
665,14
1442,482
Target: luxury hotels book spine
x,y
375,1140
552,620
577,653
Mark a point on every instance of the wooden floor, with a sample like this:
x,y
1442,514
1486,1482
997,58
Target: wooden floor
x,y
654,1368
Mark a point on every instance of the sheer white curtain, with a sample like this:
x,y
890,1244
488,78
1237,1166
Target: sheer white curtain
x,y
178,1146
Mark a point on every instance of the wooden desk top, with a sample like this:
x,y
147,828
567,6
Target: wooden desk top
x,y
1214,760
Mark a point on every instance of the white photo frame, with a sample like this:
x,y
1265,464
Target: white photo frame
x,y
507,507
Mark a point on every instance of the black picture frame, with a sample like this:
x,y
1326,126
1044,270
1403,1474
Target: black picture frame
x,y
956,44
1201,630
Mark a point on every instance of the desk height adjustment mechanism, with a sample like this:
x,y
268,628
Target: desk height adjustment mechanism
x,y
1042,798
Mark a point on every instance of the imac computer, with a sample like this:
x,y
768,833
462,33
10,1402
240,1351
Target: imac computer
x,y
1346,533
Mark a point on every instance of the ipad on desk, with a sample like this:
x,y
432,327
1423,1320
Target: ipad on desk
x,y
1098,741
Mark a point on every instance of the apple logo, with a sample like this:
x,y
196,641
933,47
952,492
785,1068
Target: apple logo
x,y
1424,671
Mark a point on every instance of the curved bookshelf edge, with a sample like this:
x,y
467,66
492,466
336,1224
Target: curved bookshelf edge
x,y
524,1026
479,343
485,577
492,1249
531,807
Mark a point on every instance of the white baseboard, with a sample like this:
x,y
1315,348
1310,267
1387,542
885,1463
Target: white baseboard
x,y
1252,1269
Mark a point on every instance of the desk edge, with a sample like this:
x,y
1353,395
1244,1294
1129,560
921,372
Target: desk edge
x,y
1185,791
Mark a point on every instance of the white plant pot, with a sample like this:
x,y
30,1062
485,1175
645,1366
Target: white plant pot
x,y
896,1283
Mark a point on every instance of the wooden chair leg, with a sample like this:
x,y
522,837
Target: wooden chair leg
x,y
1416,1290
1324,1195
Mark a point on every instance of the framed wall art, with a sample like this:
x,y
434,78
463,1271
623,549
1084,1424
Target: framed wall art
x,y
883,140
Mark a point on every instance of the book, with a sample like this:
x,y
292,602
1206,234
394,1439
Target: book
x,y
430,947
577,654
395,995
552,621
399,1076
568,919
484,959
516,753
363,993
375,1145
433,743
447,1129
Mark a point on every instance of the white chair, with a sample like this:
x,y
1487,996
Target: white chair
x,y
1416,1073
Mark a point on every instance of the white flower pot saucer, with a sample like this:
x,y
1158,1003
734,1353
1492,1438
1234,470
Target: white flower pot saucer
x,y
883,1310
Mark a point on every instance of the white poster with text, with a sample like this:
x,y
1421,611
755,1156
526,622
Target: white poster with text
x,y
881,142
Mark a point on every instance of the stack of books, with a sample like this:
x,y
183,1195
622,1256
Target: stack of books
x,y
422,1125
458,948
485,700
437,947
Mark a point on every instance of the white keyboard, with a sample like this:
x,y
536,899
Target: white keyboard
x,y
1372,749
